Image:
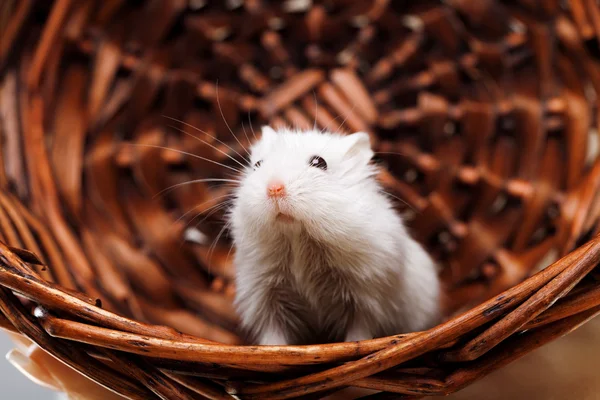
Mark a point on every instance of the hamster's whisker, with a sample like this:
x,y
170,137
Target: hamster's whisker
x,y
236,176
399,199
229,252
190,182
215,206
245,133
211,145
187,154
215,242
316,110
227,202
226,124
212,210
200,205
346,118
392,153
206,133
251,128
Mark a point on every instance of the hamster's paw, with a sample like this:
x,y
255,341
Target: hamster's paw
x,y
272,338
357,333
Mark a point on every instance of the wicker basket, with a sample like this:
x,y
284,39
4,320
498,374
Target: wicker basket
x,y
483,111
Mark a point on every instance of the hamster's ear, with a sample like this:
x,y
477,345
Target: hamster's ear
x,y
357,147
268,134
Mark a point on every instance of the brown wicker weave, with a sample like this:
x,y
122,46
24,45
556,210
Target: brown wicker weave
x,y
484,112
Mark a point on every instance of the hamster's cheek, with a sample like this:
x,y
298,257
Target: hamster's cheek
x,y
314,206
251,204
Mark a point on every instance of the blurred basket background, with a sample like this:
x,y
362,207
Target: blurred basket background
x,y
483,114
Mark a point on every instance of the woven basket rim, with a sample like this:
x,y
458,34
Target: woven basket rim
x,y
519,302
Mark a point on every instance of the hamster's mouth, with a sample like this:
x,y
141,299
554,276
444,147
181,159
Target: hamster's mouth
x,y
284,218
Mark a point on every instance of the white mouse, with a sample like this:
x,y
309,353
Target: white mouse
x,y
321,254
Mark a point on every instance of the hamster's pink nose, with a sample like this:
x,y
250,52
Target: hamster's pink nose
x,y
276,189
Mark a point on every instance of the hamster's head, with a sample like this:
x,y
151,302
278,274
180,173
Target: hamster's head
x,y
302,179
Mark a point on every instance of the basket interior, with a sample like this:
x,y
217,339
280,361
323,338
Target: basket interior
x,y
481,113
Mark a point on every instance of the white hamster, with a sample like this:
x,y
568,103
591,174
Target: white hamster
x,y
321,254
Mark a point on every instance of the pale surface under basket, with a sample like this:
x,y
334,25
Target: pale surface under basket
x,y
480,111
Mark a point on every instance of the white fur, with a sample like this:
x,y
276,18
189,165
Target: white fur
x,y
346,268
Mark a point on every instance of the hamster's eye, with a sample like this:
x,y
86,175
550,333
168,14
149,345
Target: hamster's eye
x,y
316,161
257,164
